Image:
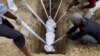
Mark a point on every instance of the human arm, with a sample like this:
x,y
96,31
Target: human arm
x,y
91,4
5,12
73,29
10,15
72,4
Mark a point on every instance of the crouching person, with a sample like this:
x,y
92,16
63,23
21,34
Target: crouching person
x,y
7,29
89,30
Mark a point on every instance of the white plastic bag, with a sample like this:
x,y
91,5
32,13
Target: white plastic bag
x,y
12,6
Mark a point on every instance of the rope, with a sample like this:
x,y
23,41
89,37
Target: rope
x,y
34,13
44,8
50,6
32,32
58,10
61,17
29,29
59,38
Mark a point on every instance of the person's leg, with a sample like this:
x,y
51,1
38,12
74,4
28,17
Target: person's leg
x,y
18,38
88,39
20,43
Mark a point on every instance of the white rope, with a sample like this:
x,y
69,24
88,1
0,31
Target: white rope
x,y
32,32
59,38
58,10
34,13
50,6
61,17
29,29
44,8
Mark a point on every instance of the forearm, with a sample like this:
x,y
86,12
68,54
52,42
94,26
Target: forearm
x,y
73,29
10,15
88,6
72,4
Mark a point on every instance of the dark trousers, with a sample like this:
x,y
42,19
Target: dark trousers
x,y
83,38
7,30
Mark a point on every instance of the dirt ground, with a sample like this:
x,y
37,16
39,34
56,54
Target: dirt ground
x,y
69,48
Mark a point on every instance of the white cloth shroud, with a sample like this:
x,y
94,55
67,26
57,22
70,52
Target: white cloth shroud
x,y
50,35
50,38
50,25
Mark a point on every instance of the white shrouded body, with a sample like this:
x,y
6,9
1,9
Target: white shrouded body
x,y
50,38
50,25
50,35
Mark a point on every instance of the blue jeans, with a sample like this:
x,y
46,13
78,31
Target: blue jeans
x,y
88,39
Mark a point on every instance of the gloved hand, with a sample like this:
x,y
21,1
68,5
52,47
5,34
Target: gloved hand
x,y
18,21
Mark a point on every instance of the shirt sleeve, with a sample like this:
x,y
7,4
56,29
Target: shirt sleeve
x,y
74,28
3,9
92,2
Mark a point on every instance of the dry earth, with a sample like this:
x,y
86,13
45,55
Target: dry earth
x,y
69,48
